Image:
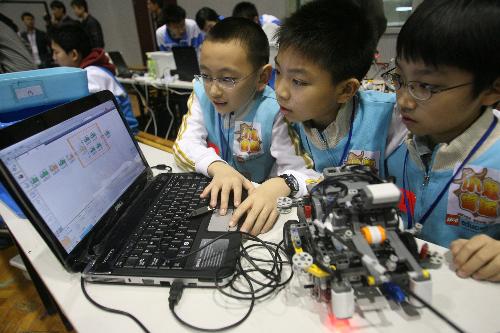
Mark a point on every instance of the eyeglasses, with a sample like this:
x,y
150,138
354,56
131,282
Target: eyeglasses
x,y
224,82
418,90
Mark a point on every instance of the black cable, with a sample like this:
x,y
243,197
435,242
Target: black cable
x,y
162,167
176,297
434,310
271,277
104,308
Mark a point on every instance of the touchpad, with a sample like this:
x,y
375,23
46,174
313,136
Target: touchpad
x,y
220,223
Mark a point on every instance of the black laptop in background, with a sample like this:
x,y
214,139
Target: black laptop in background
x,y
121,66
81,179
186,62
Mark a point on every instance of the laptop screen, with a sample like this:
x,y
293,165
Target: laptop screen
x,y
69,172
118,60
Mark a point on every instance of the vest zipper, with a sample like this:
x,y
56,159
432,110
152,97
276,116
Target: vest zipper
x,y
426,179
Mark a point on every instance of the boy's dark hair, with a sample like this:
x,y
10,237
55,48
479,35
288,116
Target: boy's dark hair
x,y
71,36
245,9
248,33
58,4
80,3
23,15
206,14
456,33
173,14
336,35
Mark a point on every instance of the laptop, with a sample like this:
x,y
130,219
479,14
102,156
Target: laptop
x,y
81,179
121,66
186,62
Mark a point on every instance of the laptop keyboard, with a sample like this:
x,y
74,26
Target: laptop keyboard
x,y
166,232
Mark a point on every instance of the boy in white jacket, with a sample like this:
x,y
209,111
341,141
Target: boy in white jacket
x,y
233,130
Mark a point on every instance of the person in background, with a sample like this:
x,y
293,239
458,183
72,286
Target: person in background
x,y
249,11
37,40
177,30
89,23
14,56
71,47
447,81
155,9
269,23
59,15
206,18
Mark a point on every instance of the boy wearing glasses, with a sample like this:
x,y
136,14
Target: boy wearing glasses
x,y
447,79
233,130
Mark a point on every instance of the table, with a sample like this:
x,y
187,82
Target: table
x,y
172,87
159,83
472,305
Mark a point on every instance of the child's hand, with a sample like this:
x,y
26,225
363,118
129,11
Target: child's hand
x,y
478,257
260,207
225,178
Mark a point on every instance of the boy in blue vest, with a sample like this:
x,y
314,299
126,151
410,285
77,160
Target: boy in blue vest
x,y
71,47
233,130
177,30
325,50
447,79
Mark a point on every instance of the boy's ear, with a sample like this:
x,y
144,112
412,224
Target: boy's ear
x,y
346,90
264,77
75,56
492,95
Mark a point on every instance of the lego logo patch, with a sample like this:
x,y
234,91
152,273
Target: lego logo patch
x,y
452,219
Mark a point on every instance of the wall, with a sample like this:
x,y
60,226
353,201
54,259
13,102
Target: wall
x,y
116,17
119,25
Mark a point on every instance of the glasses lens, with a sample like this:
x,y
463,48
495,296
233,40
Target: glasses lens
x,y
205,79
227,82
419,91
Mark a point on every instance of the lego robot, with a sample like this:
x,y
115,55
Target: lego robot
x,y
348,241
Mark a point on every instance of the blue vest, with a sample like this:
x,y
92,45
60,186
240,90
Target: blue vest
x,y
186,40
470,206
246,144
372,118
124,103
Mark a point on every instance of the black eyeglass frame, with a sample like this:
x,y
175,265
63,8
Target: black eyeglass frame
x,y
399,83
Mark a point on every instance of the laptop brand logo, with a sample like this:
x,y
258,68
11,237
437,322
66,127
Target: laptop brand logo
x,y
118,205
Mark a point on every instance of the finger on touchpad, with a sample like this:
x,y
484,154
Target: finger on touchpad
x,y
219,222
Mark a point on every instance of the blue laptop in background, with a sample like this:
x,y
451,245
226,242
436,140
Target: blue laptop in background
x,y
28,93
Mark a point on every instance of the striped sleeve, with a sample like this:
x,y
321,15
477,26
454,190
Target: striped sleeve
x,y
191,152
290,157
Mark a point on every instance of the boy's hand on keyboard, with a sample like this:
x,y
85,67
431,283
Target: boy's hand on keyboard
x,y
260,206
478,257
224,180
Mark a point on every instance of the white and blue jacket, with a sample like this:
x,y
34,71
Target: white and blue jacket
x,y
256,141
471,203
192,37
100,78
370,127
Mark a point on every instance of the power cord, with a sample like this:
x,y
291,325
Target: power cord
x,y
270,278
148,108
105,308
434,310
162,167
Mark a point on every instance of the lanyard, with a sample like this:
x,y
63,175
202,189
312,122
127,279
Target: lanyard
x,y
445,188
347,144
224,147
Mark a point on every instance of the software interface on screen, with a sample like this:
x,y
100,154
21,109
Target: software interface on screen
x,y
75,171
